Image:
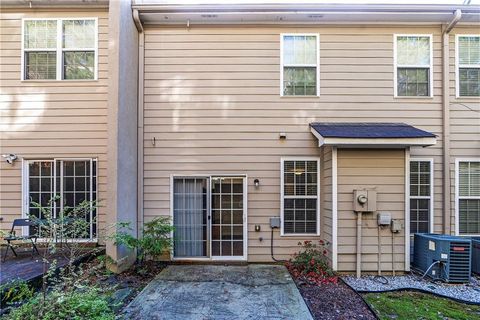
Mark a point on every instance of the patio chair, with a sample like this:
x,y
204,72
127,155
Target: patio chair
x,y
13,237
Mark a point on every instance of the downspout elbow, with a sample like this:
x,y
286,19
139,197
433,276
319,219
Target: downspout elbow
x,y
456,17
137,21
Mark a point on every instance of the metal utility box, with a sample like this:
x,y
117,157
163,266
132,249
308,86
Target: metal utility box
x,y
443,257
476,255
384,218
274,222
364,200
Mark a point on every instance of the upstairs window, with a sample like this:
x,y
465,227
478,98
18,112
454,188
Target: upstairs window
x,y
300,196
468,64
413,56
59,49
468,197
299,59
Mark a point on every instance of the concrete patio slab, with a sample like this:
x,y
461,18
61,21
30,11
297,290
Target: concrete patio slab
x,y
220,292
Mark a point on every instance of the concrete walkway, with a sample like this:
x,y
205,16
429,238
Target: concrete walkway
x,y
220,292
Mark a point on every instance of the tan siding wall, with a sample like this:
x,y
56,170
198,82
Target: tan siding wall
x,y
47,119
212,102
383,170
326,197
465,120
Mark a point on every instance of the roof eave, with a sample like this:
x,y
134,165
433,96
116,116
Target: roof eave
x,y
373,142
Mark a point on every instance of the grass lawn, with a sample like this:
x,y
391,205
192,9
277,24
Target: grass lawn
x,y
415,305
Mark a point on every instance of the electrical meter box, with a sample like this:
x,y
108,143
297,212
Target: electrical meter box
x,y
364,200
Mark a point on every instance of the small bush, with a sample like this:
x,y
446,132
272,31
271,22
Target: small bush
x,y
155,241
71,305
311,263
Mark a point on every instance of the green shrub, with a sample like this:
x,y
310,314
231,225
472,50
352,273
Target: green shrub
x,y
15,291
155,241
71,305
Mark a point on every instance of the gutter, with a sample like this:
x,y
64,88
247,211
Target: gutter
x,y
140,117
446,121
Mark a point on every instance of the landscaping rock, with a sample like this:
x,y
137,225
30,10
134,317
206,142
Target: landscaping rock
x,y
119,297
464,292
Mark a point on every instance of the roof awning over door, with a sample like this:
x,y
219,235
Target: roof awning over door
x,y
370,135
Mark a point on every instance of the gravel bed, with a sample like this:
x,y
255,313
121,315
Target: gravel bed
x,y
466,292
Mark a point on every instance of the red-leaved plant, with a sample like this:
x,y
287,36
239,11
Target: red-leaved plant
x,y
311,263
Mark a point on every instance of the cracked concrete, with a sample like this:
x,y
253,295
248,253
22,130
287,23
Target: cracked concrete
x,y
220,292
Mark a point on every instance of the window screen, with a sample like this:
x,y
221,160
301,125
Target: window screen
x,y
469,197
420,196
468,66
300,196
299,68
413,65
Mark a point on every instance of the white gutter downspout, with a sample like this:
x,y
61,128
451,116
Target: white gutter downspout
x,y
446,122
141,58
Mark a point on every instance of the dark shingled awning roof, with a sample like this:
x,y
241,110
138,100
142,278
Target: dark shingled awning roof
x,y
369,130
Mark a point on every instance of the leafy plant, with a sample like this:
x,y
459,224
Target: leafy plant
x,y
15,291
311,263
87,303
154,242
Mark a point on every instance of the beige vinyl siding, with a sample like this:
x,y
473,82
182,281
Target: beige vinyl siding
x,y
326,205
384,171
48,119
212,102
465,119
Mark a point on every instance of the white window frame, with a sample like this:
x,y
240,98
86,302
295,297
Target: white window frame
x,y
26,188
317,65
458,65
396,66
283,197
457,195
431,197
59,49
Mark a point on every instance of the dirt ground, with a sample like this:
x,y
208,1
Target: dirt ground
x,y
328,301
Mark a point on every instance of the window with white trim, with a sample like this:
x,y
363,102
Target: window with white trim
x,y
73,181
299,71
468,197
59,49
468,65
413,65
420,195
300,190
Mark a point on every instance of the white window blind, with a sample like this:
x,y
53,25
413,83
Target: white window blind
x,y
420,195
59,49
469,197
300,191
468,84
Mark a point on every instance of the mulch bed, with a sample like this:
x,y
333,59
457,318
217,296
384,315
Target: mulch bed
x,y
132,281
328,301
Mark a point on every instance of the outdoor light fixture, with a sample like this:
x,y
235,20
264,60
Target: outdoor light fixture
x,y
256,182
10,158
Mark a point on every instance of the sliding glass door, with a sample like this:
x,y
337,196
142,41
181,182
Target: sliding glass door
x,y
209,217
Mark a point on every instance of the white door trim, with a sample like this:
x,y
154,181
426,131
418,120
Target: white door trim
x,y
209,256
